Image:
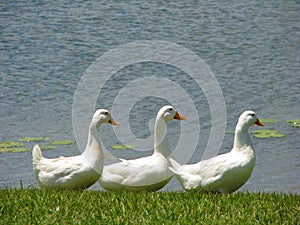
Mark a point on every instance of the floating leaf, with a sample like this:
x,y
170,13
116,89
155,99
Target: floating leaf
x,y
119,147
18,149
267,120
63,142
230,132
28,139
294,123
48,147
11,144
267,134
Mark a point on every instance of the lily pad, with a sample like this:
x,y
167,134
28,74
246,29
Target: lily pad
x,y
119,147
17,149
230,132
294,123
63,142
267,134
29,139
11,144
267,120
48,147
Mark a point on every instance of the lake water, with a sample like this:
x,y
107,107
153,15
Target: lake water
x,y
252,48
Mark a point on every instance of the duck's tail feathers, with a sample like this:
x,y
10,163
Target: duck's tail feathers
x,y
183,180
36,154
175,164
173,170
181,177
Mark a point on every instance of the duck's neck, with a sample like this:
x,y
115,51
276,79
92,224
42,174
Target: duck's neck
x,y
161,143
241,137
93,152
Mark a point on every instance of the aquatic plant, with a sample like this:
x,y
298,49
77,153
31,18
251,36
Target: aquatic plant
x,y
15,146
268,120
230,132
47,147
14,149
294,123
62,142
267,134
120,147
29,139
10,144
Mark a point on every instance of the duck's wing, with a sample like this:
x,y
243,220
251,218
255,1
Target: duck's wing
x,y
126,169
141,171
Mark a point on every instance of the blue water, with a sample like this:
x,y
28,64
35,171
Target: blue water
x,y
251,47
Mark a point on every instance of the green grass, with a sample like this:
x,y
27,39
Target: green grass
x,y
98,207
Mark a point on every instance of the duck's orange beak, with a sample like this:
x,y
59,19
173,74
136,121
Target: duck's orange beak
x,y
259,123
113,122
179,116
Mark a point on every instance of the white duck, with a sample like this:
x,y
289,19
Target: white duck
x,y
147,173
76,172
224,173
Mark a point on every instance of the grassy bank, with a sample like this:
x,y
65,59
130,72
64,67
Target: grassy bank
x,y
94,207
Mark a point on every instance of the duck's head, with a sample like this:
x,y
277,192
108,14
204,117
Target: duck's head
x,y
249,118
168,113
103,116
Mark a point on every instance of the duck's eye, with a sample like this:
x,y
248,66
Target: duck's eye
x,y
170,109
105,113
252,114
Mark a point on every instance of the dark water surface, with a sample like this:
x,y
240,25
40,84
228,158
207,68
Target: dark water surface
x,y
252,47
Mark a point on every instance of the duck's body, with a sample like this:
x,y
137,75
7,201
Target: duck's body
x,y
147,173
76,172
224,173
64,172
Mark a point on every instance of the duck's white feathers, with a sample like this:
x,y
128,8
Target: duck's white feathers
x,y
63,172
147,173
137,174
226,172
36,154
75,172
223,173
